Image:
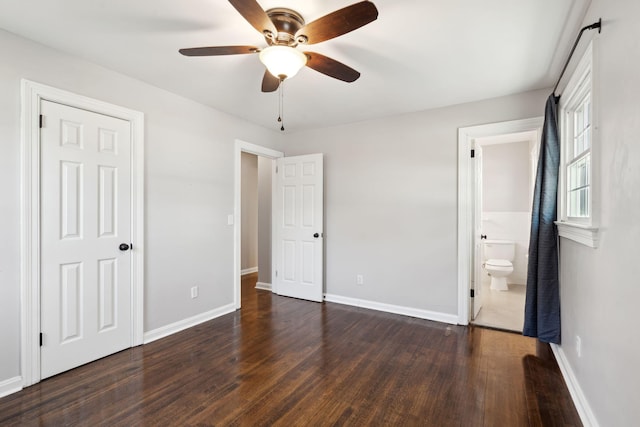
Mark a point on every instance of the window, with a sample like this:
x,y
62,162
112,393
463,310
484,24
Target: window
x,y
578,165
576,187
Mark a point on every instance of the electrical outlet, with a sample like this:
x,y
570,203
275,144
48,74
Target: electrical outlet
x,y
359,279
578,346
194,292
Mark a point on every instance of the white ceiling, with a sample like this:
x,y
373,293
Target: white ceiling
x,y
418,54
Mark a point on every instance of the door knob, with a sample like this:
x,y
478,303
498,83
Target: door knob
x,y
316,235
124,247
483,236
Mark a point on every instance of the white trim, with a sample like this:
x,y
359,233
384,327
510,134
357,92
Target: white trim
x,y
465,226
580,233
579,399
10,386
264,286
250,270
582,81
395,309
181,325
32,94
466,138
239,148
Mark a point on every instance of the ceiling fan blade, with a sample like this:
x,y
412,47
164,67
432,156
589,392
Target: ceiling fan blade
x,y
255,15
331,67
339,22
269,82
218,50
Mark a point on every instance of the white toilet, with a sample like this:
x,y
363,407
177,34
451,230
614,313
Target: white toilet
x,y
498,255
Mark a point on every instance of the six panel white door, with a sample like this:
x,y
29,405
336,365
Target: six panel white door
x,y
85,216
299,227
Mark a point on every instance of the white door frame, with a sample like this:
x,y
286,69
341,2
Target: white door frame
x,y
476,221
32,94
247,147
466,137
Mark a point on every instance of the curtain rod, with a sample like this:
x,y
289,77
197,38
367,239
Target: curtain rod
x,y
595,25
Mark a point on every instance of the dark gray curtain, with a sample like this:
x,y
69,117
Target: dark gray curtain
x,y
542,306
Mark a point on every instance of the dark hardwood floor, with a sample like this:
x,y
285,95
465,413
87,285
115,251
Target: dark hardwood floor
x,y
282,361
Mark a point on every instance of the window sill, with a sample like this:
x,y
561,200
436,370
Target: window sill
x,y
584,234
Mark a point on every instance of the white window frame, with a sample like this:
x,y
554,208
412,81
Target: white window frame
x,y
581,84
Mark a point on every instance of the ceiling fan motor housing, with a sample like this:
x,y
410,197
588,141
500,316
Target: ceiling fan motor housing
x,y
287,22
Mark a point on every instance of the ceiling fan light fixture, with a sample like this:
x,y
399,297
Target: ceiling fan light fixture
x,y
283,61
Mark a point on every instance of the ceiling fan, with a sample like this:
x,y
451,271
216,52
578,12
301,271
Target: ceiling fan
x,y
285,29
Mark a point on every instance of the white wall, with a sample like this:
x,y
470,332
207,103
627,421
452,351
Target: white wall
x,y
600,288
391,200
189,187
505,177
507,200
249,209
264,219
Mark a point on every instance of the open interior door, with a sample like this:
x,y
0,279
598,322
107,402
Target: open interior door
x,y
298,218
476,267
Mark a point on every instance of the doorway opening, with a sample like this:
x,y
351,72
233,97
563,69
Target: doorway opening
x,y
505,178
297,235
255,220
485,213
253,228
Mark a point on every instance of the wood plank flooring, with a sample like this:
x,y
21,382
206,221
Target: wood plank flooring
x,y
285,362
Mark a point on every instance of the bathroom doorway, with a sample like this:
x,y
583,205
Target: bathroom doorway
x,y
504,181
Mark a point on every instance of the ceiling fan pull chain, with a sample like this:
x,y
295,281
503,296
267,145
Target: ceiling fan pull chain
x,y
281,105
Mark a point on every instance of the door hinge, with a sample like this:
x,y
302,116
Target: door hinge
x,y
276,273
473,293
473,153
276,169
40,339
41,120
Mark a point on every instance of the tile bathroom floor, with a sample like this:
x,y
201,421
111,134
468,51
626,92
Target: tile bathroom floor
x,y
502,309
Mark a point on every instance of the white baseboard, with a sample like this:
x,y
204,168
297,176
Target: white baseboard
x,y
181,325
579,399
263,286
396,309
12,385
248,271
